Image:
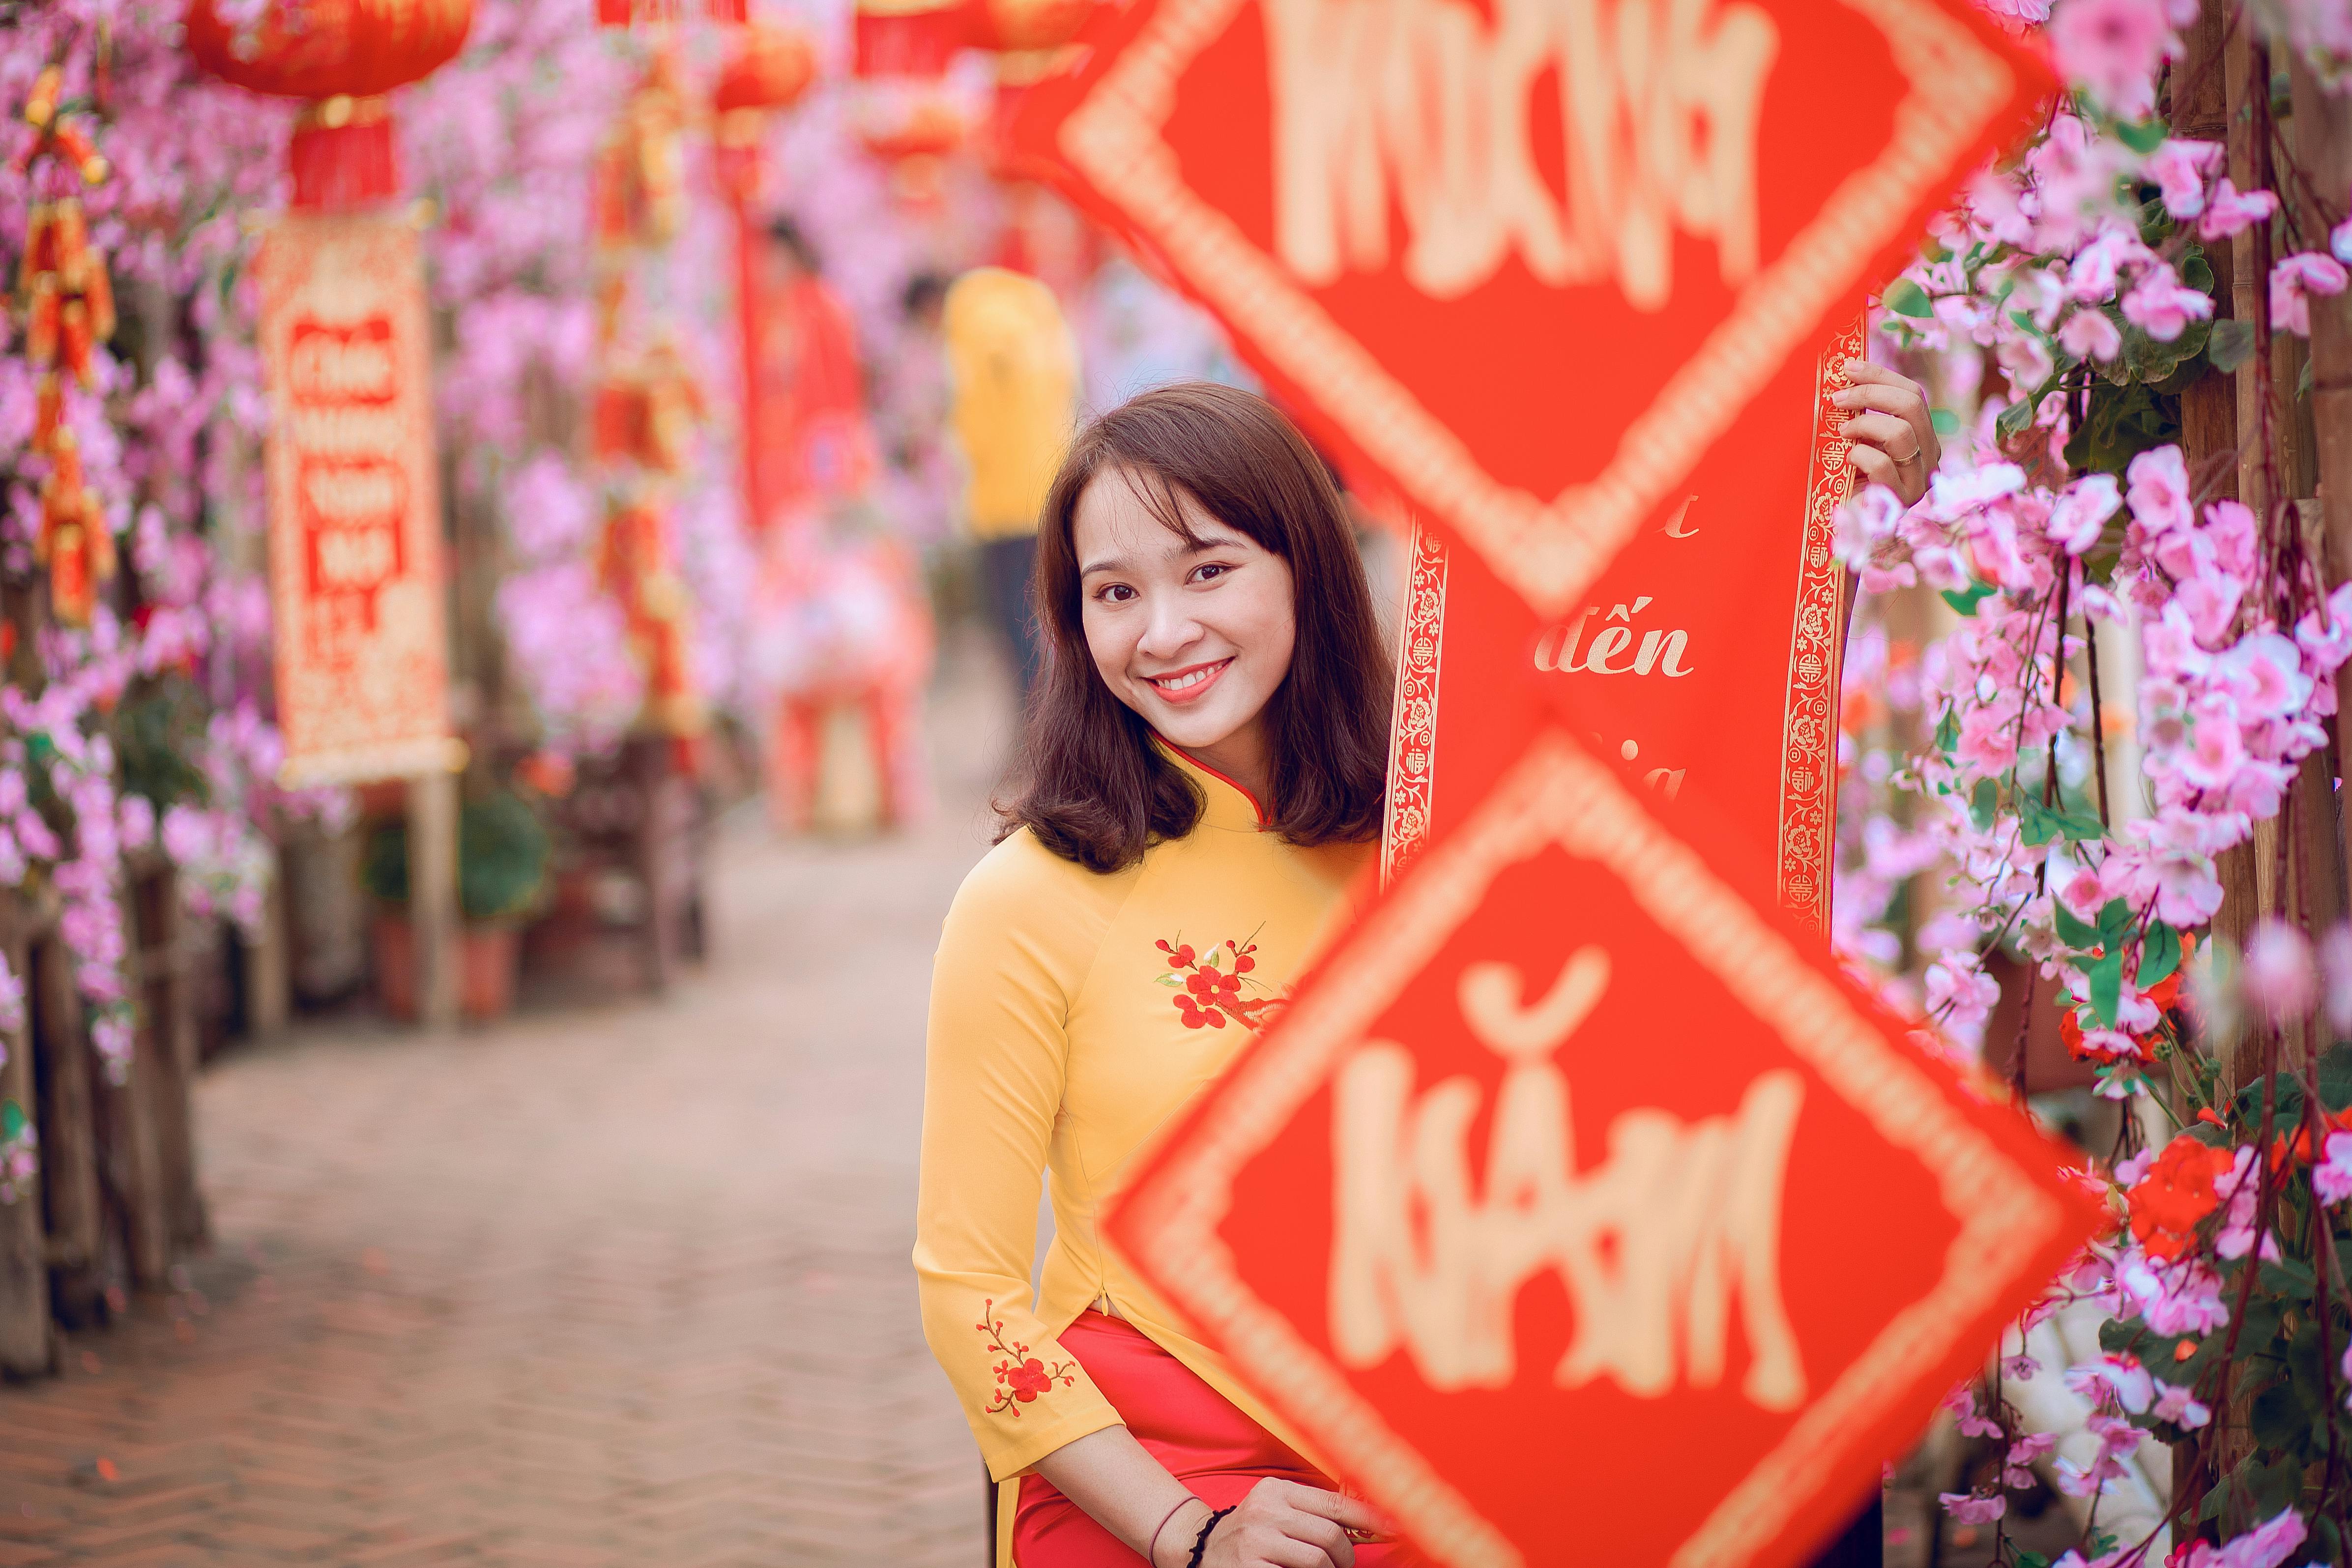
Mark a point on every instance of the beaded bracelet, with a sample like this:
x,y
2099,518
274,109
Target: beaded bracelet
x,y
1200,1541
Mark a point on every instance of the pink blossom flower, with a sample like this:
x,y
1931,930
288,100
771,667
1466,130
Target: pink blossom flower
x,y
2277,972
2159,490
2267,1545
2294,281
2180,1407
2211,602
2335,976
1972,1508
2114,47
2331,1177
2176,1297
2232,212
2179,169
2077,516
2162,306
2088,334
2339,242
2118,1380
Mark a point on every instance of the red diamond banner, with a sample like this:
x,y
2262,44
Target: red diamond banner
x,y
1578,1213
1422,219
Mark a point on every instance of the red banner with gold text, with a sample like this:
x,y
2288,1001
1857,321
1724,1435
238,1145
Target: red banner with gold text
x,y
355,571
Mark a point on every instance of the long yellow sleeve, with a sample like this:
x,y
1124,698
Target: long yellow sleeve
x,y
1014,367
1018,942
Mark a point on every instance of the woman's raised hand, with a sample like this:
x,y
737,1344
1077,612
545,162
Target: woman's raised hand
x,y
1282,1524
1894,435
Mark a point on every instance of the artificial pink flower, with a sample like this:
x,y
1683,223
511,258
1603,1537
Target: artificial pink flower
x,y
2233,211
2294,281
2016,1470
2180,1407
2331,1177
2159,490
2339,242
2211,602
2162,306
2119,1379
2088,334
2277,973
1971,1507
2114,47
2179,169
1961,991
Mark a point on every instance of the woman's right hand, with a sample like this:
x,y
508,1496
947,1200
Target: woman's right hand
x,y
1281,1524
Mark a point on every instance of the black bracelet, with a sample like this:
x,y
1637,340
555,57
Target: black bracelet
x,y
1200,1541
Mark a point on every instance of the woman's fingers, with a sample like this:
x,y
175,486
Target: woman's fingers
x,y
1878,468
1326,1537
1876,387
1885,432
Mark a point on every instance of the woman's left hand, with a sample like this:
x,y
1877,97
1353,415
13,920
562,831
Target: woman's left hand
x,y
1893,437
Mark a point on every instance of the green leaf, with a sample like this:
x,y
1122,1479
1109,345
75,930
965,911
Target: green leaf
x,y
1948,730
2196,271
1946,422
2106,976
1966,600
2073,932
1170,981
2043,823
2142,136
1905,298
2335,1077
2289,1276
2011,423
2229,344
2030,1559
2115,921
1984,801
2159,954
2124,422
12,1121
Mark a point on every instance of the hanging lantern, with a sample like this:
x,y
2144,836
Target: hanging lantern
x,y
913,38
1028,26
770,68
343,56
651,13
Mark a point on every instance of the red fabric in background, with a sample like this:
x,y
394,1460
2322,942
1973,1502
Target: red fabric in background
x,y
1196,1432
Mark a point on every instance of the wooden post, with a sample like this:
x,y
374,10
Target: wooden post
x,y
25,1346
433,910
2323,146
268,963
166,1061
69,1123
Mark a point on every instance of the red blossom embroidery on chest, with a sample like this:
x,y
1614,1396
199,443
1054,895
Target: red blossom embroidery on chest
x,y
1217,985
1024,1377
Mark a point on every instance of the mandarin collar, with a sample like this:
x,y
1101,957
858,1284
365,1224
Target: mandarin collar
x,y
1227,804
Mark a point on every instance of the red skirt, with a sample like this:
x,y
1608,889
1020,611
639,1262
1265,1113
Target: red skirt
x,y
1187,1426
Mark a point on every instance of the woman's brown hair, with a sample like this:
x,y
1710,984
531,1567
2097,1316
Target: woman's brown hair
x,y
1091,785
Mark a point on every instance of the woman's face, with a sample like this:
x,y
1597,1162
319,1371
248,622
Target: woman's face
x,y
1194,637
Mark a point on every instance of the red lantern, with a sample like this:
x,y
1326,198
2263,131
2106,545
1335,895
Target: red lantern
x,y
770,68
1022,25
911,37
343,56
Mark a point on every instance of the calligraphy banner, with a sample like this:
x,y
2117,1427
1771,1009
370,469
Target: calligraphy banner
x,y
355,571
1717,632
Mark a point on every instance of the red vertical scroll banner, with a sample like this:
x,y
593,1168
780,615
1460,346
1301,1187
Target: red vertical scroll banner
x,y
1709,651
355,571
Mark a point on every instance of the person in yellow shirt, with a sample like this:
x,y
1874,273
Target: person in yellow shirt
x,y
1198,800
1012,365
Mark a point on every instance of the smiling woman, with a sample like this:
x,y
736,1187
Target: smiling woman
x,y
1201,786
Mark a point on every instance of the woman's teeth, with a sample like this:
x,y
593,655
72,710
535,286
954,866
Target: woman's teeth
x,y
1186,682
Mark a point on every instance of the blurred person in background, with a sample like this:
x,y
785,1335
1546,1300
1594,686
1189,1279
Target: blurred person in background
x,y
1013,368
1200,784
840,620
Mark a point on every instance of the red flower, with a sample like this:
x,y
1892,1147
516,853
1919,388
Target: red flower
x,y
2176,1194
1196,1017
1028,1380
1178,957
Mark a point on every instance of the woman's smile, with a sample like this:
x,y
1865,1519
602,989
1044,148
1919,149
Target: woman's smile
x,y
1188,684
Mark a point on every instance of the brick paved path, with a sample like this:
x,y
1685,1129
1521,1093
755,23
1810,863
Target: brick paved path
x,y
622,1288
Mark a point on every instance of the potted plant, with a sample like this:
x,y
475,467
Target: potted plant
x,y
502,851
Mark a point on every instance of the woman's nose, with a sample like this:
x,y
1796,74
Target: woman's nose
x,y
1170,631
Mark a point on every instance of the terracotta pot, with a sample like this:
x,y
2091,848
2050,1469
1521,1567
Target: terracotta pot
x,y
487,961
486,966
395,965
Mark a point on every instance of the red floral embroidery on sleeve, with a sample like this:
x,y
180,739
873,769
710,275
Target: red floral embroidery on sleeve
x,y
1024,1377
1215,986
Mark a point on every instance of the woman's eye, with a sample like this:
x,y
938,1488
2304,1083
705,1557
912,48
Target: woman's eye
x,y
1210,571
1117,594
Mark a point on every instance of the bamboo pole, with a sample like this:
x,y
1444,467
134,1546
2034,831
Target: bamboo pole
x,y
433,895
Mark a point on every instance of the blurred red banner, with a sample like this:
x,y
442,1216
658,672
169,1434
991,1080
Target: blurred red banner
x,y
355,501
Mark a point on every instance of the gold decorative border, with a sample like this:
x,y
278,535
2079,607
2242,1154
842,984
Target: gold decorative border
x,y
1809,725
1558,794
1957,86
1412,722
